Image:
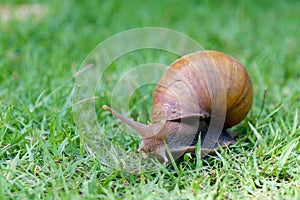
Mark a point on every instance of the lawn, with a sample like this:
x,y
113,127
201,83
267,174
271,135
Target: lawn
x,y
44,45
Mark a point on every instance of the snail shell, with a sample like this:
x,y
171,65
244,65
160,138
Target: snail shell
x,y
198,70
192,89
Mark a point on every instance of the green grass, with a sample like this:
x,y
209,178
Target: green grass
x,y
41,155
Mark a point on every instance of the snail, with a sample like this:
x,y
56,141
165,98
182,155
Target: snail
x,y
195,91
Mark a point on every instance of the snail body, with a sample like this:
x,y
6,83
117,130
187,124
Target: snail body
x,y
196,91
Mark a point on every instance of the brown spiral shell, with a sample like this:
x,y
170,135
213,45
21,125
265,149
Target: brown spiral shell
x,y
191,82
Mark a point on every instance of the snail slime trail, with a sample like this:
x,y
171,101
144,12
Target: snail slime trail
x,y
206,92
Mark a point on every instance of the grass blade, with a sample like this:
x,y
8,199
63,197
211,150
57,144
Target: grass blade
x,y
258,136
